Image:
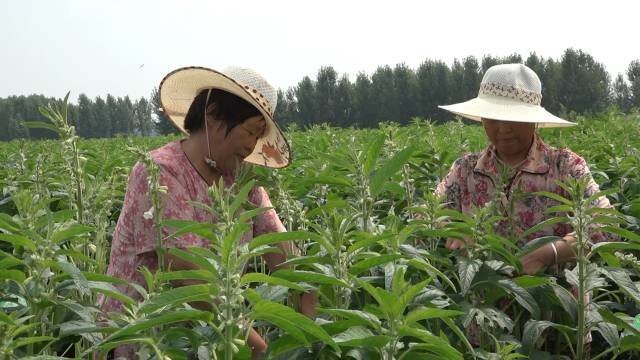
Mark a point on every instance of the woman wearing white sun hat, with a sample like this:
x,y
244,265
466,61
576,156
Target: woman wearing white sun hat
x,y
228,117
508,105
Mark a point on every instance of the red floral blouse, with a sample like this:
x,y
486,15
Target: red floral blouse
x,y
472,180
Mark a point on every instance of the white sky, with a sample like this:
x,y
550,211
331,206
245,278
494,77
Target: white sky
x,y
126,47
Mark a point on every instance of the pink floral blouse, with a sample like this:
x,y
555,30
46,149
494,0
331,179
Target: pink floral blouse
x,y
133,242
472,178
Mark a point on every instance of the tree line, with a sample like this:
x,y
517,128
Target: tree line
x,y
574,83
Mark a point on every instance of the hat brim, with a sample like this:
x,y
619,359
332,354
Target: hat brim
x,y
505,109
180,87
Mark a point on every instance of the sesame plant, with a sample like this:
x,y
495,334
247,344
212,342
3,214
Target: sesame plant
x,y
359,206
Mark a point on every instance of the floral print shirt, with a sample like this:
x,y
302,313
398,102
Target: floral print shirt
x,y
472,180
133,243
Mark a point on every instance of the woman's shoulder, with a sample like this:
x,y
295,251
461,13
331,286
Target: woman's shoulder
x,y
467,160
168,154
564,159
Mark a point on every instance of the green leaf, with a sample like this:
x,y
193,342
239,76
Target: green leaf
x,y
9,261
40,125
460,334
29,340
373,152
532,331
278,237
390,168
230,242
308,277
250,214
80,281
198,260
176,296
558,209
553,196
362,317
385,299
630,343
6,318
183,227
7,223
15,275
241,196
612,318
305,260
624,282
430,269
280,314
360,336
326,208
522,296
612,246
431,344
620,231
163,319
184,275
430,313
367,264
104,278
328,180
527,281
542,225
566,300
110,291
18,240
264,278
66,234
467,270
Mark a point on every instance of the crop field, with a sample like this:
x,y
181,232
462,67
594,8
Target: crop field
x,y
359,205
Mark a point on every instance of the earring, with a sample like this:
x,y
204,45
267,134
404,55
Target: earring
x,y
210,162
208,159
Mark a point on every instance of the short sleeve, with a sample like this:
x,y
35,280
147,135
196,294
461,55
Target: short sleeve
x,y
577,168
449,187
267,222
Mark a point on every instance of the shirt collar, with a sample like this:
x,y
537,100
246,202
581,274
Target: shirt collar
x,y
537,161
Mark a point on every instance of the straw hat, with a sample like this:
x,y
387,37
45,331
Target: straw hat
x,y
180,87
508,92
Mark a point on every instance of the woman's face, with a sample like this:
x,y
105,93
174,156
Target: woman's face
x,y
230,150
509,137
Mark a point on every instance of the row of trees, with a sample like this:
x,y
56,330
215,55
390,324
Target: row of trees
x,y
575,82
93,118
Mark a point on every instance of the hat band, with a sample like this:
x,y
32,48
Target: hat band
x,y
510,91
258,97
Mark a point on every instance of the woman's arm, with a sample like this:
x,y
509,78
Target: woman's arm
x,y
544,256
269,222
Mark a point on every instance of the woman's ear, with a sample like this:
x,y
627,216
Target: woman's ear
x,y
212,109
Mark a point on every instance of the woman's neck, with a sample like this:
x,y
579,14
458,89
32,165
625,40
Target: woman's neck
x,y
515,160
195,148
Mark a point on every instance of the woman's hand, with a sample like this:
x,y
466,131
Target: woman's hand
x,y
536,260
308,302
454,244
257,345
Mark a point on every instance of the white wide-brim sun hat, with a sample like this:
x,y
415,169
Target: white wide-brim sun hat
x,y
508,92
179,88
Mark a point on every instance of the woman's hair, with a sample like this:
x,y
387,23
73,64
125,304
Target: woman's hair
x,y
230,109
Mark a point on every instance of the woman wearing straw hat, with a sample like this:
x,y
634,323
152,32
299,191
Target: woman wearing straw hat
x,y
228,117
508,105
